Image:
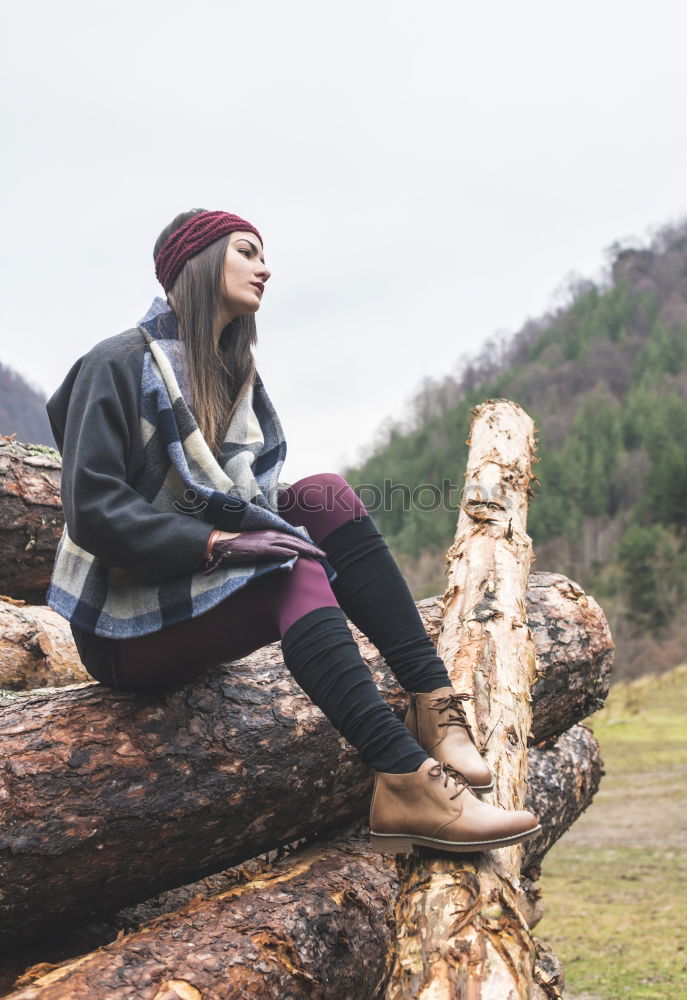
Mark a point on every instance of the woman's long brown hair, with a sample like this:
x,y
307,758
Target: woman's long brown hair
x,y
218,375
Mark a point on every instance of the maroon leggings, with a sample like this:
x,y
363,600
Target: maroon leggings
x,y
257,614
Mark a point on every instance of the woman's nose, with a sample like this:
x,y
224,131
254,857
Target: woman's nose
x,y
264,272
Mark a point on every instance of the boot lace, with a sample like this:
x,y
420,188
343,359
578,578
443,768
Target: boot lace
x,y
456,713
449,773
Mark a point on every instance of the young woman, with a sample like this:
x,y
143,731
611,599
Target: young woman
x,y
181,550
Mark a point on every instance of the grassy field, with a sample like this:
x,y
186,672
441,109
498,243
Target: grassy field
x,y
615,886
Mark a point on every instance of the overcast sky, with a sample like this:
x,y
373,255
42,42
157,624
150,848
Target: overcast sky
x,y
424,175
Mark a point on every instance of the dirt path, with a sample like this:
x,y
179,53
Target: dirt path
x,y
639,810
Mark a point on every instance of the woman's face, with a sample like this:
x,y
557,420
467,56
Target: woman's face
x,y
244,275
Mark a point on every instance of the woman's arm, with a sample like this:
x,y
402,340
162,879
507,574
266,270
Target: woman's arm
x,y
94,415
243,547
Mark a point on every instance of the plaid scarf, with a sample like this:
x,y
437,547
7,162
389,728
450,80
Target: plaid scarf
x,y
237,493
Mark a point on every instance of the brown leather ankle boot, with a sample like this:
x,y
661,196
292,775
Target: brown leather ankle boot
x,y
434,807
438,723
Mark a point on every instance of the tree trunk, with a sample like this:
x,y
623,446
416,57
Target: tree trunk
x,y
562,780
319,919
36,648
460,932
568,625
31,518
87,774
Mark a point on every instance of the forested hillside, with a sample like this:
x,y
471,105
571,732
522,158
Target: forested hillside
x,y
605,379
22,409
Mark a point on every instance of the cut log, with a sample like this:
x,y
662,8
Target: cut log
x,y
107,798
573,647
211,774
319,919
561,782
31,518
36,648
573,643
574,650
572,640
315,926
549,980
459,928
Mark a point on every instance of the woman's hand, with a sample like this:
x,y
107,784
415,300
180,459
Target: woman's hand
x,y
259,546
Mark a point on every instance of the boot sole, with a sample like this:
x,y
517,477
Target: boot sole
x,y
483,788
395,843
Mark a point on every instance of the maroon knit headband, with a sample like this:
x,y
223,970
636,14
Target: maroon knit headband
x,y
188,240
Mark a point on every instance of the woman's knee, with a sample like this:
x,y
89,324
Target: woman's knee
x,y
321,487
322,502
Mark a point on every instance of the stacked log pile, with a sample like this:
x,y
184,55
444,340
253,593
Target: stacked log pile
x,y
31,518
110,798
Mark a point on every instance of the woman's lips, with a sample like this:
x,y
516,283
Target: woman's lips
x,y
259,285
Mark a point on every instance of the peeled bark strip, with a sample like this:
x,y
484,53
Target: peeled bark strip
x,y
460,932
31,518
314,926
36,648
316,920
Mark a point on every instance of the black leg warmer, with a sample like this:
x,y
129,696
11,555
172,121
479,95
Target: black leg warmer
x,y
323,658
371,590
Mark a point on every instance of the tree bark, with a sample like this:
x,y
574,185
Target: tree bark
x,y
574,651
86,774
31,518
460,932
319,919
573,646
36,648
314,926
548,973
562,779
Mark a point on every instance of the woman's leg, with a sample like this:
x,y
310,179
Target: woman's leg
x,y
178,654
320,503
324,659
369,586
319,651
253,617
